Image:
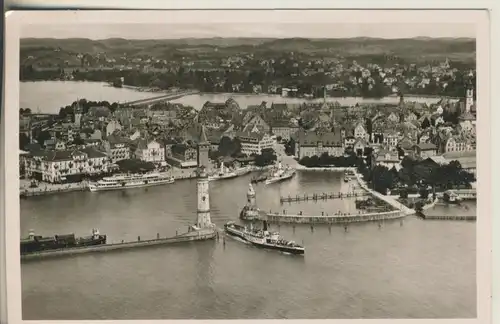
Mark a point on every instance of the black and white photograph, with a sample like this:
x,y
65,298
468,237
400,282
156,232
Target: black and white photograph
x,y
321,166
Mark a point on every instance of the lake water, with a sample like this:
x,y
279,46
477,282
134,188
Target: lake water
x,y
413,269
50,96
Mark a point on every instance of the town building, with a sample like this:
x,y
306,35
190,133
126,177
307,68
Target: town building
x,y
387,158
254,143
113,126
117,148
424,150
182,155
65,166
315,143
458,144
283,129
149,151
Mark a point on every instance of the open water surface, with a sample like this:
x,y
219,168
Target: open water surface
x,y
413,269
50,96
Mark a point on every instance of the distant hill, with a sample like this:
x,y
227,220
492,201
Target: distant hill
x,y
413,49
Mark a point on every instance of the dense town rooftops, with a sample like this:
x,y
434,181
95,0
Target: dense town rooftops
x,y
426,146
68,155
250,136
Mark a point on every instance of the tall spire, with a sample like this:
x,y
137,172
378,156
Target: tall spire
x,y
203,135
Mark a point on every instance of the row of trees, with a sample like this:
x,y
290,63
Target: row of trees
x,y
84,105
232,148
267,157
414,175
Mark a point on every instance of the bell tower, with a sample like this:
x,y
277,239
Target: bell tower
x,y
469,94
203,212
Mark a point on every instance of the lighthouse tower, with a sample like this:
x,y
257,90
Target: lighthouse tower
x,y
203,220
251,198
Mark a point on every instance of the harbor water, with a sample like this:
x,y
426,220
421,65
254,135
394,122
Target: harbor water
x,y
409,269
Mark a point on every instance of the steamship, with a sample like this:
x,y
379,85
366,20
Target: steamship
x,y
280,174
224,173
262,238
128,181
36,243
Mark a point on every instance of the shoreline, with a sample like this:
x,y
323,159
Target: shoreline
x,y
236,94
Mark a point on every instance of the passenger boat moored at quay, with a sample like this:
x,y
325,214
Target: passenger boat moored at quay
x,y
127,181
263,238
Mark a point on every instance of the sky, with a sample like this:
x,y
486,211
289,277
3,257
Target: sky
x,y
276,30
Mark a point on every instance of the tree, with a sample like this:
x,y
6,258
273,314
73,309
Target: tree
x,y
229,147
78,141
425,123
424,193
290,147
23,141
267,157
42,137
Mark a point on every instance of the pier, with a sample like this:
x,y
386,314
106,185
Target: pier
x,y
164,97
201,235
464,194
323,196
449,217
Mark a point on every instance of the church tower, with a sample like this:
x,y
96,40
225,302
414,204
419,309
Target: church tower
x,y
469,95
203,149
203,220
78,114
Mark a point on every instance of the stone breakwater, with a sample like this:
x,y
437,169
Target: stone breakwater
x,y
200,235
48,189
399,212
335,219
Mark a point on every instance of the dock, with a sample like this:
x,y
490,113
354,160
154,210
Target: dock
x,y
323,196
334,219
449,217
201,235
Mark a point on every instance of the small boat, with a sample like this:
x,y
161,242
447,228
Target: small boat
x,y
128,181
280,174
262,238
450,197
223,173
36,243
243,170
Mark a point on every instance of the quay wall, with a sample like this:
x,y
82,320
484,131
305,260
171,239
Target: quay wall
x,y
331,169
334,219
183,238
451,217
51,191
